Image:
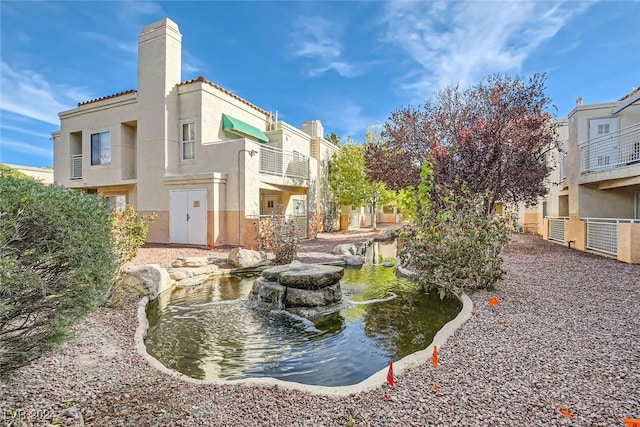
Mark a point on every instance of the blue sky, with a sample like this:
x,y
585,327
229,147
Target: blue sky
x,y
346,63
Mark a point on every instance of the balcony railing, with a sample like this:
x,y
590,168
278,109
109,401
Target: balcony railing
x,y
285,164
76,166
556,229
613,150
602,234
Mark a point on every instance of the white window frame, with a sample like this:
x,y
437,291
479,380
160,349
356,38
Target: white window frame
x,y
185,142
103,155
299,207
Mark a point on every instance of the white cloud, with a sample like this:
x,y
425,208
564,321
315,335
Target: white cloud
x,y
348,120
318,40
190,65
26,148
27,93
111,42
464,41
24,131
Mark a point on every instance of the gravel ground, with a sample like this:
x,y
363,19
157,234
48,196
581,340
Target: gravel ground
x,y
560,348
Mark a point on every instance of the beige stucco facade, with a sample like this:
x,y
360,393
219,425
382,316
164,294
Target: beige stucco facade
x,y
167,148
594,198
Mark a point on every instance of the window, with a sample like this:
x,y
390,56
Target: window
x,y
298,207
188,141
101,148
603,128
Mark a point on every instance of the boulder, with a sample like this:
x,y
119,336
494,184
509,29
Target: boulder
x,y
345,249
304,276
151,279
353,260
190,262
181,273
313,298
245,258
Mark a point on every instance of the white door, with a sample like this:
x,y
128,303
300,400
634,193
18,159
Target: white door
x,y
604,149
188,217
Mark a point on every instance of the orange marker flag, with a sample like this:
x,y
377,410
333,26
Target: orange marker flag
x,y
631,422
390,375
493,301
434,357
565,412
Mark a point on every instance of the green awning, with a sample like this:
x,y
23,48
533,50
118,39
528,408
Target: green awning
x,y
239,127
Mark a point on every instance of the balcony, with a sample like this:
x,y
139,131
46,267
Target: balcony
x,y
611,151
283,164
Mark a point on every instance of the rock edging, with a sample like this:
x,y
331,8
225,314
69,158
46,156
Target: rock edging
x,y
374,381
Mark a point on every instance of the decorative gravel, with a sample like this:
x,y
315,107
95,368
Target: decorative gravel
x,y
562,347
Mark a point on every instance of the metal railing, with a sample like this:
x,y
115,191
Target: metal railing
x,y
556,228
301,224
602,234
613,150
286,164
76,166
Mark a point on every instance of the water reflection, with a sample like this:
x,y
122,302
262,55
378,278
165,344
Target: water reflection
x,y
210,331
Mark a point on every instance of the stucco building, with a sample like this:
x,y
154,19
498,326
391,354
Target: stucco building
x,y
44,175
206,161
594,199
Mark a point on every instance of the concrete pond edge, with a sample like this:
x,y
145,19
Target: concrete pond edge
x,y
376,380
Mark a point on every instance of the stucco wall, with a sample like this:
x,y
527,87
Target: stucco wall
x,y
628,242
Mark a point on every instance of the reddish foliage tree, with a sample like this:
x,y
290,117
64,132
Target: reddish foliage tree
x,y
491,137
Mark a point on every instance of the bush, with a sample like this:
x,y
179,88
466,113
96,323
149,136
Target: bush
x,y
128,234
280,235
56,264
455,243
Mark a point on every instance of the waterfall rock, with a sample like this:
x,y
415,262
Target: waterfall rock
x,y
304,289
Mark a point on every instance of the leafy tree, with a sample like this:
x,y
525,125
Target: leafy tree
x,y
350,183
455,243
56,264
333,138
490,138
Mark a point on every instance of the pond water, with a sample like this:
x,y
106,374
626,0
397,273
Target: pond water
x,y
211,331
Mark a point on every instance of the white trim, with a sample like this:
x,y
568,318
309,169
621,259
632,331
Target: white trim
x,y
627,102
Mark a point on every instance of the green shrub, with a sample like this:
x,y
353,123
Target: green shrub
x,y
56,264
128,234
455,243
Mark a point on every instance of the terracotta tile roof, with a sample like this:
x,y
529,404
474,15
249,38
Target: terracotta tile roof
x,y
126,92
201,79
630,94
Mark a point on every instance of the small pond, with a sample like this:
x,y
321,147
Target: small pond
x,y
211,331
